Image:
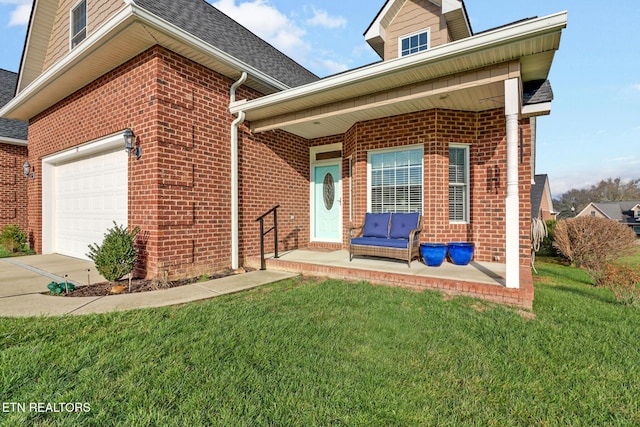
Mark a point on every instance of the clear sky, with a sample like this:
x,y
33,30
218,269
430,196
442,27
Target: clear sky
x,y
593,131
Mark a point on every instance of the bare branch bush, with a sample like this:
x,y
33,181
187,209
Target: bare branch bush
x,y
591,242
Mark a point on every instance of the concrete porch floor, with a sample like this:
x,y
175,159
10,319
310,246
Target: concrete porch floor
x,y
479,272
477,279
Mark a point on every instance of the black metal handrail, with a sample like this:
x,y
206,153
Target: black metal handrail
x,y
263,263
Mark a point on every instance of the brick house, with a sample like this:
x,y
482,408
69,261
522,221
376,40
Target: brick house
x,y
227,127
626,212
13,154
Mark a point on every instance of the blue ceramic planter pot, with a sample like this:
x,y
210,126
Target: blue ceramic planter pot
x,y
433,254
460,253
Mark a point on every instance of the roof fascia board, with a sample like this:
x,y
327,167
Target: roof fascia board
x,y
450,5
118,23
13,141
541,109
447,51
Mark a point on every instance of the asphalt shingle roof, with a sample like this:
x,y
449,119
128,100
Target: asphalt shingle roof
x,y
14,129
207,23
536,92
619,211
537,190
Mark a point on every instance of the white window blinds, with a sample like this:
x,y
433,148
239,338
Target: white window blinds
x,y
396,181
458,184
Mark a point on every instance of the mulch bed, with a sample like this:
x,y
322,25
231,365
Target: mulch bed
x,y
143,285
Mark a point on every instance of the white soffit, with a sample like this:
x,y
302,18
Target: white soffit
x,y
333,121
37,42
457,20
534,40
375,34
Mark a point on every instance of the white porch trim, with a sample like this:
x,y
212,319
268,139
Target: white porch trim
x,y
512,112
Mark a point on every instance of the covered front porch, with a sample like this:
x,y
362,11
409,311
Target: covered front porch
x,y
484,280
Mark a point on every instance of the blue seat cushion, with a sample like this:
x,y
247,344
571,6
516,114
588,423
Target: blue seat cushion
x,y
402,224
381,241
376,225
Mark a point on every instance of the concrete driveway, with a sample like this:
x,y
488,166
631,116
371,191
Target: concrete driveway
x,y
23,281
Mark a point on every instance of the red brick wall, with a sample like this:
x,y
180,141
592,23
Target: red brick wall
x,y
179,191
13,186
485,133
274,171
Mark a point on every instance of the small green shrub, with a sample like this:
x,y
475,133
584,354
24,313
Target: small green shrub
x,y
546,248
623,281
591,242
117,255
12,238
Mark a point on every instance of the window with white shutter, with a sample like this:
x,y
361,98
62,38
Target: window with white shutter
x,y
458,183
395,180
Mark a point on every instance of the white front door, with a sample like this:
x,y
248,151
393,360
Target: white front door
x,y
327,203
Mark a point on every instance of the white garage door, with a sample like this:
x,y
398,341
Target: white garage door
x,y
89,194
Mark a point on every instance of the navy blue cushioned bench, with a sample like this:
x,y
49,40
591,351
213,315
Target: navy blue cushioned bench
x,y
388,235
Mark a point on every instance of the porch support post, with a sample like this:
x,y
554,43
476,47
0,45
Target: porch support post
x,y
512,112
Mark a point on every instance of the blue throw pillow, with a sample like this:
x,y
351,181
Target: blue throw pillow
x,y
376,225
402,224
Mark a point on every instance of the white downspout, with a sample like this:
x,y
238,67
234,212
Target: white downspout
x,y
235,221
512,112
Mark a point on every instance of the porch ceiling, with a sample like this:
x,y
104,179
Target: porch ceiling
x,y
332,105
338,117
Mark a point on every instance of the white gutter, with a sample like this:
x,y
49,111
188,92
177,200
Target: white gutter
x,y
446,52
235,217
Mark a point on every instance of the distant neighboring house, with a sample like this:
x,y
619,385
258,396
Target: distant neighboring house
x,y
541,201
626,212
220,127
13,154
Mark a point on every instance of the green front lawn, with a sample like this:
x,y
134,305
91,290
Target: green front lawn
x,y
306,352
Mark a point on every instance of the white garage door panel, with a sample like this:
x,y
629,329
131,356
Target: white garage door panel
x,y
89,195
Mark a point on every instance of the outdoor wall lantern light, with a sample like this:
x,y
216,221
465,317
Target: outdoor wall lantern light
x,y
28,170
129,143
